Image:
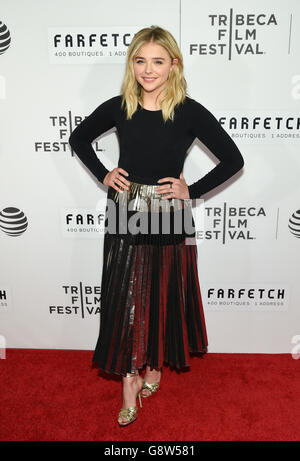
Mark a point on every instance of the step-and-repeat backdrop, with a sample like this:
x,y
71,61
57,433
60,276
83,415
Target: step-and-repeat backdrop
x,y
58,62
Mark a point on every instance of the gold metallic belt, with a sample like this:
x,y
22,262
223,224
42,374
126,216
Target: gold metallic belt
x,y
143,197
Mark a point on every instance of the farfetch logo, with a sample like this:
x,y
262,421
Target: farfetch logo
x,y
90,45
5,298
247,296
262,126
84,223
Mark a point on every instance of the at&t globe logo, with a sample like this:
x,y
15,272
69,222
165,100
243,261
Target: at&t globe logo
x,y
13,221
4,37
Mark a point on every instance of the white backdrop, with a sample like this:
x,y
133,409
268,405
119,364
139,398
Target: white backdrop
x,y
242,63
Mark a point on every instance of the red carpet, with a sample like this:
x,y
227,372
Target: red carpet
x,y
56,395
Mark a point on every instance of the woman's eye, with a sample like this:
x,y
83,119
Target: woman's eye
x,y
157,62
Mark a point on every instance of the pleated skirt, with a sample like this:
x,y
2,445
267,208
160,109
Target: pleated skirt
x,y
151,309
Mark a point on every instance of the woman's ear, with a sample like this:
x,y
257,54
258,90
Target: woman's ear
x,y
174,63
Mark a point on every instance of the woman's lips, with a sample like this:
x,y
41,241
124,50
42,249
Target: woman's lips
x,y
149,80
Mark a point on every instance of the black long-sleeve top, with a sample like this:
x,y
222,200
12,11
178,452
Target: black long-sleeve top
x,y
151,149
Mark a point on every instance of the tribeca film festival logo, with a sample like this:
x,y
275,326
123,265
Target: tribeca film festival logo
x,y
81,300
229,223
91,45
63,126
236,34
232,223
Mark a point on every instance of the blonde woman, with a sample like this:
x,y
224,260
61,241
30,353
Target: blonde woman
x,y
151,306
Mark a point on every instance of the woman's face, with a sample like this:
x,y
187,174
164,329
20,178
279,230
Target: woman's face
x,y
152,65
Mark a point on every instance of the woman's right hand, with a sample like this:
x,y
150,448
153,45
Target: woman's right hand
x,y
114,178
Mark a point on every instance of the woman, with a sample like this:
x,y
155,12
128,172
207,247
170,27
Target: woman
x,y
151,307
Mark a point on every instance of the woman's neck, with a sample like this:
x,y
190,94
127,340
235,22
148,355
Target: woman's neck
x,y
151,102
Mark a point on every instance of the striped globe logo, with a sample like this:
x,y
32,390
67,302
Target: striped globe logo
x,y
13,221
294,224
4,38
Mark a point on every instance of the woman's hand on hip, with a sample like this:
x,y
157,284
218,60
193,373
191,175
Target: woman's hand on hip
x,y
179,188
116,180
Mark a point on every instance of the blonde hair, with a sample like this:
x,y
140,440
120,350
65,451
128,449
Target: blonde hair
x,y
175,90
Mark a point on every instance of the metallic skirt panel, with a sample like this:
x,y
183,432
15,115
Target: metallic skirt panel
x,y
151,305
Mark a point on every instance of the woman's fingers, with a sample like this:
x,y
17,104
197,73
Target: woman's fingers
x,y
118,180
122,171
122,184
179,190
123,181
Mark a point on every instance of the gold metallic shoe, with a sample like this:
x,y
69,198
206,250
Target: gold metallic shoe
x,y
129,414
151,388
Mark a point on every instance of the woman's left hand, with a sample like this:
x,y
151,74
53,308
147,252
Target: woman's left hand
x,y
179,188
